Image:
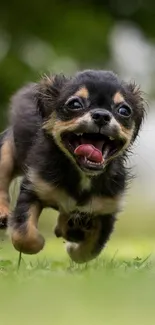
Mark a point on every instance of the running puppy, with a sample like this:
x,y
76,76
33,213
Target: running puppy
x,y
69,138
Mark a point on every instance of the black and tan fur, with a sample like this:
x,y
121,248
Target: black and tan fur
x,y
32,146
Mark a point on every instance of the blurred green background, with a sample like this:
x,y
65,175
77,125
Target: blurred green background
x,y
38,37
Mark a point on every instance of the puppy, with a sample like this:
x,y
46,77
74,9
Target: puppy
x,y
69,139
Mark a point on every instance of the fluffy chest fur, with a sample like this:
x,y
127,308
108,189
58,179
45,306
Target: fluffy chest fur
x,y
58,198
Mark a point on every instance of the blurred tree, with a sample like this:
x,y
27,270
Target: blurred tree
x,y
36,36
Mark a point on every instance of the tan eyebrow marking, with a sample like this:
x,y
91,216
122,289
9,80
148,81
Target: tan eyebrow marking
x,y
118,98
82,92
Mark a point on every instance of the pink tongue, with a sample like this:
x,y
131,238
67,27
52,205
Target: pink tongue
x,y
90,152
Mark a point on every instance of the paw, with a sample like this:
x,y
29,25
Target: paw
x,y
4,215
30,242
91,245
73,228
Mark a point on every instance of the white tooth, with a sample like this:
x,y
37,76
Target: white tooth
x,y
111,138
79,134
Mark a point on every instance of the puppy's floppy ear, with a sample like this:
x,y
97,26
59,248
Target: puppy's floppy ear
x,y
48,92
135,97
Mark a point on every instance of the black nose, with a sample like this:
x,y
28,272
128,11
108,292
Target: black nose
x,y
101,116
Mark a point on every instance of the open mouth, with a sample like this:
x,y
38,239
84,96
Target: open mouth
x,y
92,150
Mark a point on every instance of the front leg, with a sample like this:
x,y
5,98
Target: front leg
x,y
23,222
86,235
94,239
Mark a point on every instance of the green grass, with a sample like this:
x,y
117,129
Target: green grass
x,y
116,289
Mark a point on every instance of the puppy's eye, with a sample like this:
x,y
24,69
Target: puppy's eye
x,y
124,111
74,104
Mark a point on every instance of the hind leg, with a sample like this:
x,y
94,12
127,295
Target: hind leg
x,y
23,223
6,175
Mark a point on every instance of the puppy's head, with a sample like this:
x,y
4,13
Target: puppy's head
x,y
93,117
